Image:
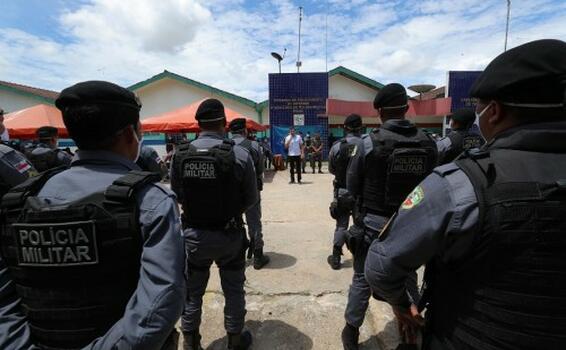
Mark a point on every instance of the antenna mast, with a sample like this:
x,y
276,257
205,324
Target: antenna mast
x,y
507,25
326,40
299,63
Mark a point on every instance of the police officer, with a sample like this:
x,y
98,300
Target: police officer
x,y
462,137
316,153
308,151
391,162
95,251
149,160
45,155
216,183
253,214
343,203
490,227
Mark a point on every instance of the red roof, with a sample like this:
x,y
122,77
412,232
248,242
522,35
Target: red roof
x,y
49,94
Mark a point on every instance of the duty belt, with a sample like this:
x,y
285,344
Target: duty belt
x,y
234,223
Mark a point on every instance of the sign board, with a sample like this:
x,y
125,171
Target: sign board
x,y
297,99
458,88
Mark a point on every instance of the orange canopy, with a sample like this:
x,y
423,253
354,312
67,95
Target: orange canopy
x,y
24,123
183,120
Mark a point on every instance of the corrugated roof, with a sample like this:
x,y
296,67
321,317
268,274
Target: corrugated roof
x,y
191,82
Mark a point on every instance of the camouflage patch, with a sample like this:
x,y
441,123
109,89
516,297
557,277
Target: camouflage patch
x,y
354,151
414,199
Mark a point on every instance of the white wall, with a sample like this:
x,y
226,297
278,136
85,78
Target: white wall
x,y
11,102
342,88
168,94
265,115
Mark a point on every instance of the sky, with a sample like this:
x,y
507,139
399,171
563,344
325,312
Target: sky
x,y
227,43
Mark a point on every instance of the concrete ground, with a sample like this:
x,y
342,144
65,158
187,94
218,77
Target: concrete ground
x,y
297,302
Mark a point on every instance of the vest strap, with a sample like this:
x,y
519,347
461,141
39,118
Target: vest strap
x,y
123,188
17,195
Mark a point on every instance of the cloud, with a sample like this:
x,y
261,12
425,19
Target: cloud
x,y
153,26
226,43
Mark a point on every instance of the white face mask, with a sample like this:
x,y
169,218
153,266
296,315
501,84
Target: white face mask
x,y
140,144
478,116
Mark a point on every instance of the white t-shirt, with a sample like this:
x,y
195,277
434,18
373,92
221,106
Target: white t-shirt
x,y
5,136
294,145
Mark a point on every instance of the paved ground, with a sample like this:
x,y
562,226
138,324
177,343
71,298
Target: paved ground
x,y
297,302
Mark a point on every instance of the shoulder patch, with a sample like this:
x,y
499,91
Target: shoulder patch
x,y
354,151
414,199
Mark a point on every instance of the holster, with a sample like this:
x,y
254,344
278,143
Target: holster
x,y
334,209
251,247
355,237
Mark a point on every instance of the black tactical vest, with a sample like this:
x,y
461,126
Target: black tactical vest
x,y
341,163
510,291
211,185
75,266
401,158
247,144
461,140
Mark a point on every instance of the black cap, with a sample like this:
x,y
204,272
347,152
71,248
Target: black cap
x,y
46,132
464,115
353,121
210,110
97,93
238,124
391,96
95,110
531,75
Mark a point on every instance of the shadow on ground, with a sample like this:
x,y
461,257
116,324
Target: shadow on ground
x,y
346,264
268,176
305,183
387,339
272,335
279,261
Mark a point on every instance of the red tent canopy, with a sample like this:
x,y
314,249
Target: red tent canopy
x,y
24,123
183,120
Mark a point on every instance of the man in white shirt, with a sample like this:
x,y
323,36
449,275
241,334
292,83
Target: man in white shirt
x,y
3,131
295,147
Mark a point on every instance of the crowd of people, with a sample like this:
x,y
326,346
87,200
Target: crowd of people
x,y
95,253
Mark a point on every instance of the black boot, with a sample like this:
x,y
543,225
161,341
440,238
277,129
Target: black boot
x,y
260,260
334,259
350,337
241,341
191,340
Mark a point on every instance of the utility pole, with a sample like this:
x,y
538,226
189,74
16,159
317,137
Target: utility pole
x,y
507,26
299,63
326,40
